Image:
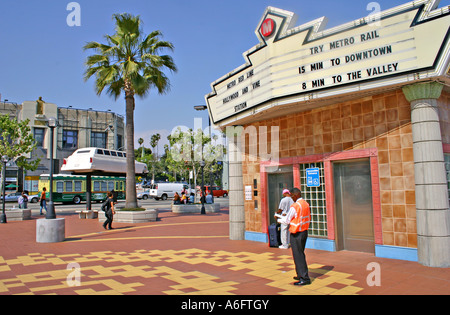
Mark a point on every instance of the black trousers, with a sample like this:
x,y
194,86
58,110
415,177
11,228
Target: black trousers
x,y
109,219
298,243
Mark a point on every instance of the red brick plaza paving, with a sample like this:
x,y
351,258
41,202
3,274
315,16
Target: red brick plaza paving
x,y
188,255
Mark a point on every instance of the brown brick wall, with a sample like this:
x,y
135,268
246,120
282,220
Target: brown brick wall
x,y
382,121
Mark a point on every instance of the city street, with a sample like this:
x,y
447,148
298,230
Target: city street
x,y
67,208
71,208
188,255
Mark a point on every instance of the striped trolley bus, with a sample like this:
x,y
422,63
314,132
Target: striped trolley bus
x,y
72,188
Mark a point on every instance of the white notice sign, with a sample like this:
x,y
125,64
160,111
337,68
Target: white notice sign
x,y
248,193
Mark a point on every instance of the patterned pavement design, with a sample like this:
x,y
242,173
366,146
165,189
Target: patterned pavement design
x,y
185,256
108,273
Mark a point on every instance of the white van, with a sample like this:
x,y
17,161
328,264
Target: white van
x,y
167,190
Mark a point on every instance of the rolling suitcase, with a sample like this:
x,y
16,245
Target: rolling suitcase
x,y
274,235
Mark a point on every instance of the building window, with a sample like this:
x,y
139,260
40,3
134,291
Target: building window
x,y
119,143
98,139
110,186
59,187
69,186
39,134
100,186
78,185
316,198
70,139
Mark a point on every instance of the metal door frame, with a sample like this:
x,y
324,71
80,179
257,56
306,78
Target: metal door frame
x,y
285,169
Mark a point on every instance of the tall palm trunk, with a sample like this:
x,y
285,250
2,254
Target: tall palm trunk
x,y
131,199
129,63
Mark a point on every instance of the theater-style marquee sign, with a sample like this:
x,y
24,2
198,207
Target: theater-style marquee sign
x,y
296,64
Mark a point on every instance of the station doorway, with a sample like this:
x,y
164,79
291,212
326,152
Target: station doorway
x,y
278,180
353,205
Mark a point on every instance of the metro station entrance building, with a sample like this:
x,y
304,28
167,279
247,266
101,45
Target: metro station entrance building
x,y
358,118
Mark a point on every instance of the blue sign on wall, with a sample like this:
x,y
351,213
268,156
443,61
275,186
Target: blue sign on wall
x,y
312,177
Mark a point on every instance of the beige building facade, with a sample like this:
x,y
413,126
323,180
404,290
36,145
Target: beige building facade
x,y
77,128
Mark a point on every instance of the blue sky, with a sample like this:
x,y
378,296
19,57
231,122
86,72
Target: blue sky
x,y
40,55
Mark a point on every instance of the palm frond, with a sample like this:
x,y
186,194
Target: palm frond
x,y
129,56
160,45
157,79
141,85
169,63
97,59
115,89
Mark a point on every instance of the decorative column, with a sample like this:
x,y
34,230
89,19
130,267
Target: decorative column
x,y
432,206
236,184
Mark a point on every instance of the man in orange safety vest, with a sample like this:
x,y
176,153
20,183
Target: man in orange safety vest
x,y
299,218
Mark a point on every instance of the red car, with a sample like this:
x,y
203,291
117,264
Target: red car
x,y
217,191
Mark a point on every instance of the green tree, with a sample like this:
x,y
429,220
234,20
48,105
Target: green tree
x,y
130,63
16,141
189,148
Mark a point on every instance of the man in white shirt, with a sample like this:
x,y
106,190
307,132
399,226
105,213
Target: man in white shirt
x,y
283,208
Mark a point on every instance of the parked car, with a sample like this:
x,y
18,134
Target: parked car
x,y
144,195
217,191
14,197
33,198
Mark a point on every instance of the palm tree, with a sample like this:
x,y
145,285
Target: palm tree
x,y
141,141
154,142
130,63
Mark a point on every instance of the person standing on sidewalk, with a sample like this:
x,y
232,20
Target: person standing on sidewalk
x,y
283,208
299,218
25,199
108,208
20,201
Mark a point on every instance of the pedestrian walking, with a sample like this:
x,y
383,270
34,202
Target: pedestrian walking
x,y
108,208
283,209
43,201
299,218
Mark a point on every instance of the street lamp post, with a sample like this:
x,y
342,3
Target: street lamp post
x,y
200,108
202,164
4,161
51,229
52,123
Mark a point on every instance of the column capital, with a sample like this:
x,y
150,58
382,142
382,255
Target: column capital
x,y
425,90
